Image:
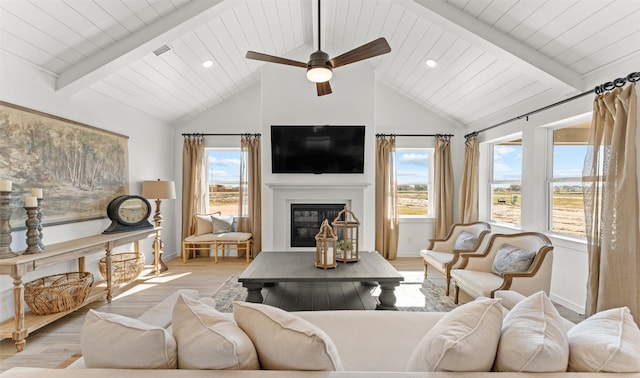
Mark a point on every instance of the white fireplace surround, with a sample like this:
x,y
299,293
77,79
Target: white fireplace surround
x,y
283,195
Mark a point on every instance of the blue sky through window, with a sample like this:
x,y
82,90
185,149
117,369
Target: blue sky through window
x,y
223,166
412,167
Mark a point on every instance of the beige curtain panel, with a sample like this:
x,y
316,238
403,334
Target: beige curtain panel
x,y
194,190
250,203
610,185
387,222
468,195
442,187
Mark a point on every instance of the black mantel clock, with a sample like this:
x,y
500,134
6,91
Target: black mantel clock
x,y
128,213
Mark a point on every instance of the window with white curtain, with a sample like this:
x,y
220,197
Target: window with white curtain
x,y
566,206
223,179
414,167
505,182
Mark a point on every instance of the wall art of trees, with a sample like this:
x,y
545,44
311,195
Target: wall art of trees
x,y
80,168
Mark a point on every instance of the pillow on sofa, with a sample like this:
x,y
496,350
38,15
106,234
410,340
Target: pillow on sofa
x,y
222,223
284,341
208,339
465,339
512,259
118,342
533,338
465,240
608,341
203,224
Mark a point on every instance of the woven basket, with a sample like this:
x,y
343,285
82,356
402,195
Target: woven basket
x,y
125,267
57,293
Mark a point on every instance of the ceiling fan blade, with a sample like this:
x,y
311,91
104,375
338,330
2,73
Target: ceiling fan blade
x,y
323,88
274,59
366,51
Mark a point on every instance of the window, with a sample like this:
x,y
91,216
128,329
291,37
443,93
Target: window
x,y
566,205
223,179
413,172
506,176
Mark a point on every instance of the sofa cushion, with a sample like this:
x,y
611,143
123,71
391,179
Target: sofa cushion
x,y
208,339
512,259
465,240
284,341
116,341
437,259
608,341
222,223
465,339
533,338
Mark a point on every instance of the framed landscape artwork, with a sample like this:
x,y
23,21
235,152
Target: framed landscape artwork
x,y
79,168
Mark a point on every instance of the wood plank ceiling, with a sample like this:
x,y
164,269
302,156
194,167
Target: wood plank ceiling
x,y
491,54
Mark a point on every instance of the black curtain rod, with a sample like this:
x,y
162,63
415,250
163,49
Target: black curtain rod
x,y
221,134
602,88
414,135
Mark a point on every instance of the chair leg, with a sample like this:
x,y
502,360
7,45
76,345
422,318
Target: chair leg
x,y
215,253
184,253
425,269
457,292
448,283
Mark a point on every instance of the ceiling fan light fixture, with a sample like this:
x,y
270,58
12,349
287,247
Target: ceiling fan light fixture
x,y
319,74
207,63
431,63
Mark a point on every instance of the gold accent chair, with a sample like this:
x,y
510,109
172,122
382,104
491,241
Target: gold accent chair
x,y
443,254
521,262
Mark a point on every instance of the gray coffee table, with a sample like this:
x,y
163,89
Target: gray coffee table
x,y
272,267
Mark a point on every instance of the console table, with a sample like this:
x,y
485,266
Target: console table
x,y
22,324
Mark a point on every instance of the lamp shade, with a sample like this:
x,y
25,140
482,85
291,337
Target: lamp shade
x,y
159,189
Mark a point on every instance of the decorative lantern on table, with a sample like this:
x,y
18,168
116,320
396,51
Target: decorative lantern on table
x,y
326,247
346,227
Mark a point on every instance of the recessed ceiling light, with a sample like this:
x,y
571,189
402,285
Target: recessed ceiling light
x,y
207,63
431,63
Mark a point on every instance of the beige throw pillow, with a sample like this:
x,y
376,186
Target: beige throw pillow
x,y
608,341
208,339
203,225
533,338
465,339
118,342
285,341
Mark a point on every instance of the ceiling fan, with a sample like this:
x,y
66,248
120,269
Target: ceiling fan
x,y
320,67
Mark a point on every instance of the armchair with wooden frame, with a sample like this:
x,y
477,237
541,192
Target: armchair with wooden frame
x,y
477,275
443,254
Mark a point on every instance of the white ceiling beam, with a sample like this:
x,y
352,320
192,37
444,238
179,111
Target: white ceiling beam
x,y
135,46
498,44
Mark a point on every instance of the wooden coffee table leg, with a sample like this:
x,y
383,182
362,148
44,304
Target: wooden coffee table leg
x,y
387,296
254,291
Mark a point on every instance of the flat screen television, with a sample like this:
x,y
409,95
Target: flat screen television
x,y
317,149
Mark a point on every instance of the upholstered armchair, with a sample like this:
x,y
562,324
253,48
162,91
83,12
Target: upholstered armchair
x,y
520,262
442,254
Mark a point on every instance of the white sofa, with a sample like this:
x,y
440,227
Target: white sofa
x,y
369,344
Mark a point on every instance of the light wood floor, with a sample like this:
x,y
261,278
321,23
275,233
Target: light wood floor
x,y
54,344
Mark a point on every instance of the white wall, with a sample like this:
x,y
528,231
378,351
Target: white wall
x,y
151,156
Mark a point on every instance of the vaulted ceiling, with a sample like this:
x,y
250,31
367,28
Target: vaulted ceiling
x,y
491,54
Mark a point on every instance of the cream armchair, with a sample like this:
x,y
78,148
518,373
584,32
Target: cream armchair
x,y
442,254
520,262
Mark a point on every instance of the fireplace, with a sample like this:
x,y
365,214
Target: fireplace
x,y
306,219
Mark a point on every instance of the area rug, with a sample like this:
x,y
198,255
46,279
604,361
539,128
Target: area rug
x,y
422,296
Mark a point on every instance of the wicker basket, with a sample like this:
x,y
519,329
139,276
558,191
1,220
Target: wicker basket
x,y
57,293
125,267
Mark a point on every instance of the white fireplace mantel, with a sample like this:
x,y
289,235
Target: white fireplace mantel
x,y
303,186
278,200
